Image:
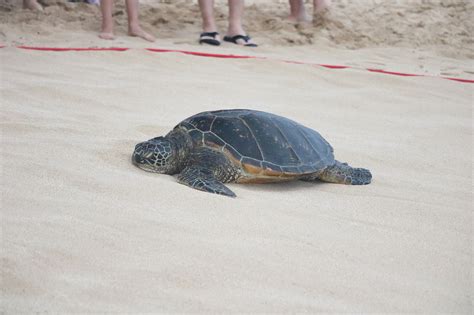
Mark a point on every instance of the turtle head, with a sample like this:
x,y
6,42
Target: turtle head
x,y
157,155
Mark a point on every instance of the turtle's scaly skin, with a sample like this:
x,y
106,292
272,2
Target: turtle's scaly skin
x,y
244,146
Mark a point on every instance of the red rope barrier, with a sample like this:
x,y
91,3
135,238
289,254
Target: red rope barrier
x,y
230,56
74,49
458,79
334,66
396,73
202,54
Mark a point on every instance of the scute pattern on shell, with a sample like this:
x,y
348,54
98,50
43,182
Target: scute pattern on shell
x,y
265,141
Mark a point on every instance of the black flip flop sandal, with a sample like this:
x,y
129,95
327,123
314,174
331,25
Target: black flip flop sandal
x,y
245,38
210,41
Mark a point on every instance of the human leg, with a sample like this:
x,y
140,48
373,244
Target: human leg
x,y
207,13
236,10
297,11
134,28
210,35
107,31
236,32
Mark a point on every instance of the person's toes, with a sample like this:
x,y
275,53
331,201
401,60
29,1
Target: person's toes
x,y
248,42
242,40
142,34
107,35
148,37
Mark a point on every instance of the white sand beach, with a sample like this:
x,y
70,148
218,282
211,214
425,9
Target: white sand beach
x,y
85,231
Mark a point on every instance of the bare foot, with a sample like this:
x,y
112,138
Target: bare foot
x,y
138,32
321,5
32,5
107,35
298,19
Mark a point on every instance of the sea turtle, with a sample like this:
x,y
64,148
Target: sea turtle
x,y
243,146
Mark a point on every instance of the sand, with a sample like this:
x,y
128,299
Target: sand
x,y
85,231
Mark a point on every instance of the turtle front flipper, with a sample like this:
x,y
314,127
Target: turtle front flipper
x,y
342,173
203,179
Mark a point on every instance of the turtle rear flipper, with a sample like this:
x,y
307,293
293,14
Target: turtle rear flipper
x,y
203,179
342,173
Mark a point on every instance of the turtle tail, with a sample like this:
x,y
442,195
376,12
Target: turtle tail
x,y
342,173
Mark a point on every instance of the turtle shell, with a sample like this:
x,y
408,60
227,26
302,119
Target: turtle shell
x,y
262,143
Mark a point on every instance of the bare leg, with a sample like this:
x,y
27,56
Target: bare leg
x,y
134,28
107,31
294,7
208,21
207,13
297,12
32,5
236,11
